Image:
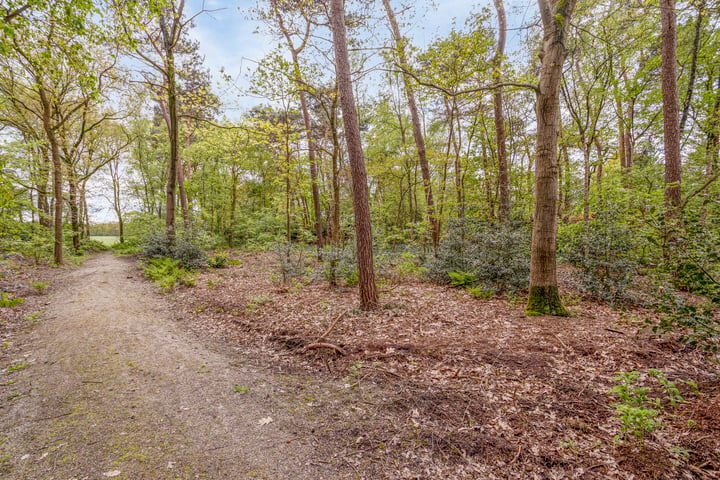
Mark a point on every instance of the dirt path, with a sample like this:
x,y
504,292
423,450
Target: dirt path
x,y
113,388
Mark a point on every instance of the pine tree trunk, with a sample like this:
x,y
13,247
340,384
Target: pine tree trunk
x,y
361,204
671,107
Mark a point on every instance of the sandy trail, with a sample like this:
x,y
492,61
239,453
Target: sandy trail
x,y
116,389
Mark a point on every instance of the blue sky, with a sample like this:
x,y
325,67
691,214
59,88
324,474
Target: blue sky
x,y
227,40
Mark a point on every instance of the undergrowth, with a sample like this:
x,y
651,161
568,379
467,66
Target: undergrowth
x,y
166,272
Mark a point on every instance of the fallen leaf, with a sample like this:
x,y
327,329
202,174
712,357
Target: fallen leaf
x,y
265,421
111,473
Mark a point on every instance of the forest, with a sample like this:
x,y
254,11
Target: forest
x,y
554,162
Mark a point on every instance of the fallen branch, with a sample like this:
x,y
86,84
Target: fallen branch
x,y
329,346
330,329
614,331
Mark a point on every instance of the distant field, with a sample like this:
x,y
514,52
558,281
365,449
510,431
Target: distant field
x,y
106,239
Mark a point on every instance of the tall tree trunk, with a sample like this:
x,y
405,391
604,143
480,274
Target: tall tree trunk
x,y
544,296
57,173
693,65
417,129
73,203
173,131
43,206
313,164
361,204
335,172
503,180
711,145
457,146
671,109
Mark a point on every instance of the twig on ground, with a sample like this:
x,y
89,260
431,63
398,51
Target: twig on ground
x,y
329,346
517,455
332,325
614,331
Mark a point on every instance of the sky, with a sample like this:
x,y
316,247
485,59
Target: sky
x,y
228,42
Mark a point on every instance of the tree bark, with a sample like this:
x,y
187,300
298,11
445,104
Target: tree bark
x,y
503,169
173,130
693,66
417,129
57,173
544,296
361,204
671,108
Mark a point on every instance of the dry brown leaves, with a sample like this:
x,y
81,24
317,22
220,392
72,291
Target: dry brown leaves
x,y
439,384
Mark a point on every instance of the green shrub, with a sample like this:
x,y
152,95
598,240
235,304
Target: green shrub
x,y
8,300
696,324
637,410
497,256
219,260
188,250
461,279
605,257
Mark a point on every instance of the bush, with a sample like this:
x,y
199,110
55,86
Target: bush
x,y
292,260
496,256
188,250
219,260
696,324
605,258
695,262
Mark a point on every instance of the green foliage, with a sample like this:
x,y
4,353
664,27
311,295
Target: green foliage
x,y
697,324
219,260
481,291
604,255
695,260
293,260
637,409
8,300
167,272
188,249
17,366
258,230
461,279
40,286
241,390
88,246
126,248
410,264
636,418
474,251
27,239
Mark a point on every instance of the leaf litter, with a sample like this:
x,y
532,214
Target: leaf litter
x,y
439,383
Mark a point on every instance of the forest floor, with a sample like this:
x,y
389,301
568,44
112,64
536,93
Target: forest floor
x,y
113,379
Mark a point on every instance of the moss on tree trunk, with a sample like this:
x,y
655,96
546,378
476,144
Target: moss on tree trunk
x,y
545,301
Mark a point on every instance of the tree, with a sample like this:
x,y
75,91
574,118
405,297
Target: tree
x,y
503,171
361,206
153,29
279,10
400,43
544,296
55,92
671,113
